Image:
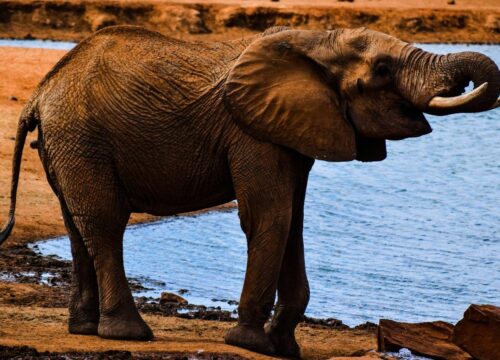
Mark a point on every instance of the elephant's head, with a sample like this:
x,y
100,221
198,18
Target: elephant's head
x,y
338,95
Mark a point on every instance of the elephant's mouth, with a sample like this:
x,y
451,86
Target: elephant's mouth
x,y
400,122
370,149
367,149
411,122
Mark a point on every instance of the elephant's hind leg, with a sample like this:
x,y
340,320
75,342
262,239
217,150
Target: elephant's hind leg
x,y
99,210
84,298
119,318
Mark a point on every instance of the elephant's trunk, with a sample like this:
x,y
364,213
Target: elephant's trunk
x,y
433,83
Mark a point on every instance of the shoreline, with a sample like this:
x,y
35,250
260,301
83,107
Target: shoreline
x,y
40,302
27,265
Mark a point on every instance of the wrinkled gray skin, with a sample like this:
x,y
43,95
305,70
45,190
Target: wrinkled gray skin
x,y
131,121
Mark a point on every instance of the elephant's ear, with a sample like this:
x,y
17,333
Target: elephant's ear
x,y
278,92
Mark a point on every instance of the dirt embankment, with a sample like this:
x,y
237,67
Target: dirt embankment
x,y
411,20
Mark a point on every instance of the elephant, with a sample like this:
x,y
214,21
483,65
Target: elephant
x,y
132,121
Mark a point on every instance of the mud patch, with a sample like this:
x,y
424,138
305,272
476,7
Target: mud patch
x,y
45,279
187,311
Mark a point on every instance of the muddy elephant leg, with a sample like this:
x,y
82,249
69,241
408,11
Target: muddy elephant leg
x,y
265,201
119,318
293,297
293,287
84,297
267,231
100,211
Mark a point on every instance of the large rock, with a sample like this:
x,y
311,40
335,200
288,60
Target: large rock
x,y
479,332
430,339
173,299
367,356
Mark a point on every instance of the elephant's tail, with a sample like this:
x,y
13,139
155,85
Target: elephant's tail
x,y
26,123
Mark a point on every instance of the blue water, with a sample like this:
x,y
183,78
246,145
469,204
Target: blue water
x,y
41,44
413,238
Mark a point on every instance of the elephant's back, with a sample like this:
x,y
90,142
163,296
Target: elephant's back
x,y
131,73
123,97
135,60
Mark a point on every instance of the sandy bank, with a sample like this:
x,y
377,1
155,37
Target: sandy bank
x,y
411,20
47,332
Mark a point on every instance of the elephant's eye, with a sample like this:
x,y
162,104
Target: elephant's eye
x,y
382,70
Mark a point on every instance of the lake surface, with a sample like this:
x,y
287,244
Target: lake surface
x,y
413,238
40,44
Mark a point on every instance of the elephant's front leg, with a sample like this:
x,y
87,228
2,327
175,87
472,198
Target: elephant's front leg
x,y
293,287
265,186
267,231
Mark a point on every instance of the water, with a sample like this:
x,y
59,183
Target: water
x,y
41,44
413,238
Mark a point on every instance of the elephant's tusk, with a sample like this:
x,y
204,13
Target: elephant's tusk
x,y
496,104
443,103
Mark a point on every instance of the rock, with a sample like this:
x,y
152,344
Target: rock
x,y
13,98
430,339
451,2
370,355
367,326
170,298
479,332
493,23
330,322
190,19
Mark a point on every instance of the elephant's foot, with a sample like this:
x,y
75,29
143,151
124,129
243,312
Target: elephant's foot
x,y
124,328
83,320
250,338
82,328
284,341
